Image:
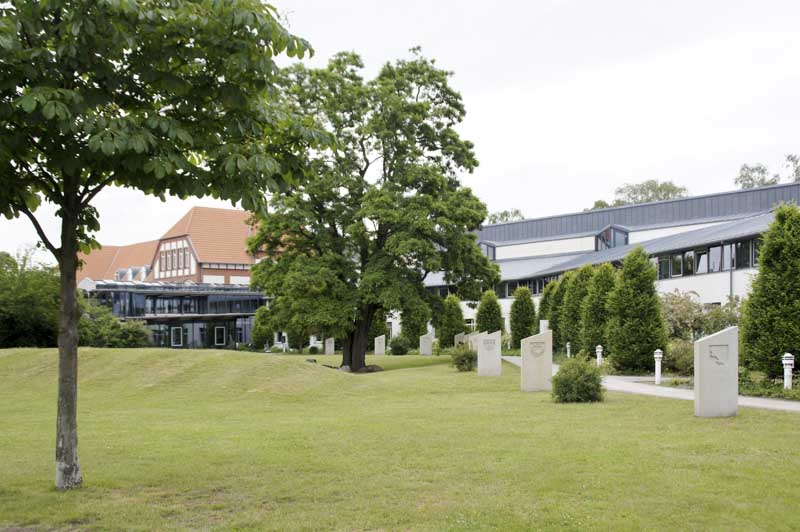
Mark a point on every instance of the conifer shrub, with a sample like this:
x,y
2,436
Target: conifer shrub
x,y
556,309
451,321
593,324
571,320
546,301
770,322
489,317
578,381
523,316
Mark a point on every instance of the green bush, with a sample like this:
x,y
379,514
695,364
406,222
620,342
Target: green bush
x,y
133,333
276,349
463,358
679,358
414,320
571,319
451,321
770,323
99,328
489,317
523,316
546,301
262,333
577,381
399,346
313,350
557,308
593,331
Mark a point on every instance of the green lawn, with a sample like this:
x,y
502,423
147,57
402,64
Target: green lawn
x,y
215,439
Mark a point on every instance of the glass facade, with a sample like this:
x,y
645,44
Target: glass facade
x,y
738,255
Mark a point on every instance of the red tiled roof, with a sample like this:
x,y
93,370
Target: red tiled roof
x,y
218,235
103,263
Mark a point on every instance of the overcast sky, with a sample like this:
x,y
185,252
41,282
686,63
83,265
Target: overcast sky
x,y
566,100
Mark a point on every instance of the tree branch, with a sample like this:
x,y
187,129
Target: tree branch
x,y
88,194
46,241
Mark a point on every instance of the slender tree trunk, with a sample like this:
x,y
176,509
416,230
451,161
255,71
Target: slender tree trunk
x,y
68,470
354,347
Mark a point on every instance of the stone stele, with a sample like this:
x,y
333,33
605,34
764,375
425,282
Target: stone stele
x,y
474,339
330,346
459,339
489,362
426,344
716,374
537,362
380,345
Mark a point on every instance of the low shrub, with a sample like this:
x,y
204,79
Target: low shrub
x,y
398,346
276,349
577,381
463,358
313,350
679,358
765,387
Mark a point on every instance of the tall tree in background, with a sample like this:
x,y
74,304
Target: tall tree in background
x,y
28,302
513,215
557,308
595,315
414,319
385,209
452,321
644,192
546,301
489,317
572,310
757,175
163,97
771,315
523,316
635,328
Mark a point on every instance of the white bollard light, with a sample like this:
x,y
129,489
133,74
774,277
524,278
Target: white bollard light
x,y
599,352
568,349
658,355
788,366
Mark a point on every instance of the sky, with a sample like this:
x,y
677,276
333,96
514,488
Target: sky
x,y
566,99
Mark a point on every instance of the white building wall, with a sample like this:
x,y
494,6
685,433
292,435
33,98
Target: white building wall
x,y
634,237
218,279
548,247
240,279
711,287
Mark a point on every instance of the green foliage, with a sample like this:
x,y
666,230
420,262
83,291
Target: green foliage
x,y
399,345
770,324
262,333
451,321
679,357
683,314
578,381
635,328
593,331
297,339
513,215
644,192
546,301
755,176
383,209
28,302
463,359
99,328
571,318
765,387
717,318
276,349
523,316
313,350
414,320
557,307
377,327
489,317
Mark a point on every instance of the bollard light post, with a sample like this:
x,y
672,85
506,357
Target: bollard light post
x,y
599,352
658,355
788,366
569,346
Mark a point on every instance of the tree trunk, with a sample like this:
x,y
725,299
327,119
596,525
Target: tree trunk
x,y
354,347
68,470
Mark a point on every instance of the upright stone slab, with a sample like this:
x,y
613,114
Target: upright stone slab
x,y
716,374
544,325
426,345
330,346
380,345
459,339
537,362
474,340
489,362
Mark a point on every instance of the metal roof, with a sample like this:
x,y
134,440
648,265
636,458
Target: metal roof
x,y
512,269
697,209
717,234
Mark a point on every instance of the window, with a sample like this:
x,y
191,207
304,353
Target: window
x,y
701,261
180,259
715,259
677,265
743,254
726,257
219,335
688,263
663,268
161,264
470,323
176,336
186,260
169,261
610,237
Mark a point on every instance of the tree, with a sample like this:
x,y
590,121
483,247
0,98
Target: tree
x,y
523,316
489,317
377,328
98,327
414,320
635,328
644,192
557,308
571,319
262,334
755,176
594,307
770,320
546,301
683,315
720,317
513,215
164,97
28,302
385,208
452,321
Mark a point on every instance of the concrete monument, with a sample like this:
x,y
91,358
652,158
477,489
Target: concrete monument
x,y
489,362
459,339
716,374
380,345
537,362
330,346
426,344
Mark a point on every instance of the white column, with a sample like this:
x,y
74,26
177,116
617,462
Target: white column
x,y
599,352
658,355
569,346
788,366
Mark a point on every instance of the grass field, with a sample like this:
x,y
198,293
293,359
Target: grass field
x,y
215,439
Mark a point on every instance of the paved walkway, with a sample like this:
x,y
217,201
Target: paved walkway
x,y
633,384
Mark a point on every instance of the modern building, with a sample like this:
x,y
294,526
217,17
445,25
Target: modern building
x,y
191,286
702,244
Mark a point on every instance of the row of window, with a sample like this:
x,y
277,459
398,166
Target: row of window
x,y
536,286
174,259
198,334
739,255
131,305
224,266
